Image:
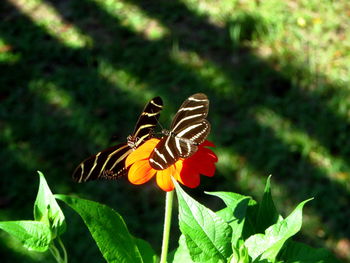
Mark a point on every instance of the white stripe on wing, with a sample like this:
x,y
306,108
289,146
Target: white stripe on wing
x,y
187,118
188,129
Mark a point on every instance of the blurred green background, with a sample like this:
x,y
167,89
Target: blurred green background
x,y
74,73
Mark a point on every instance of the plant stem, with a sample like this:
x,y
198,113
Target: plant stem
x,y
65,258
56,254
167,222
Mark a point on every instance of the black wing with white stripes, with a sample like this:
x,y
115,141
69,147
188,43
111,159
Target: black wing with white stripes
x,y
110,163
188,129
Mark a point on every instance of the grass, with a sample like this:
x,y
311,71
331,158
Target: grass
x,y
74,73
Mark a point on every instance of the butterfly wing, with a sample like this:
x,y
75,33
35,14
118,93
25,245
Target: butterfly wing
x,y
146,123
110,163
188,138
188,129
107,164
194,109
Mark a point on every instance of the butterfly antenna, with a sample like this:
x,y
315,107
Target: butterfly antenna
x,y
161,126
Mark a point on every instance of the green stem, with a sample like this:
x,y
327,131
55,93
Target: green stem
x,y
65,258
56,254
167,223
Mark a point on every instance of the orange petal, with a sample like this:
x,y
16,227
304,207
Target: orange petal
x,y
177,170
142,152
164,179
140,172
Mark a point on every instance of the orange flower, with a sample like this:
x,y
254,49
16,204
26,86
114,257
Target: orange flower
x,y
186,171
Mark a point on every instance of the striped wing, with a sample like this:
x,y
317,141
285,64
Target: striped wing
x,y
110,163
187,140
193,110
188,129
146,123
107,164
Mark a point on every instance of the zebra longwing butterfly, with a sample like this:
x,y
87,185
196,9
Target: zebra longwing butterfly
x,y
189,128
110,163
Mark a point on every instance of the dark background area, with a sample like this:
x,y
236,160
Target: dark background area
x,y
67,87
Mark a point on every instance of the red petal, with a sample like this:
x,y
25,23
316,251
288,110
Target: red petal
x,y
207,143
202,162
208,169
190,175
205,153
140,172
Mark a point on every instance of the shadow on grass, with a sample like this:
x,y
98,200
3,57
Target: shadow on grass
x,y
39,134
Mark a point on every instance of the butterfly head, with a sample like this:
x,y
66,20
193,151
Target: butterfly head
x,y
165,132
132,140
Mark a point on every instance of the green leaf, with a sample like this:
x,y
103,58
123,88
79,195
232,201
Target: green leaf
x,y
208,236
147,253
238,205
33,235
226,214
249,228
181,254
296,252
267,246
47,210
240,253
107,228
267,213
229,198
